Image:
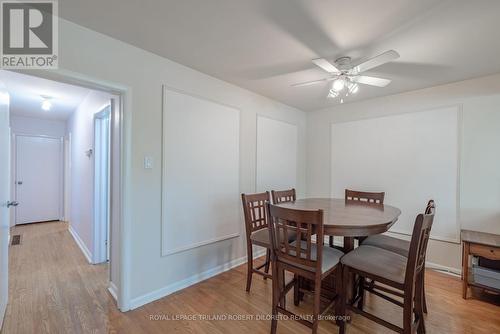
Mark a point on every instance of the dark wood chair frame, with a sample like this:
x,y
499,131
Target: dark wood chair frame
x,y
255,213
362,196
286,196
303,224
412,304
283,196
377,289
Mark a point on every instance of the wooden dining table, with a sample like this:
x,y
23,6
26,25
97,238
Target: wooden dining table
x,y
349,219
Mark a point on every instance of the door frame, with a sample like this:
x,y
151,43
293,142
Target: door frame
x,y
121,125
101,205
14,192
5,195
67,177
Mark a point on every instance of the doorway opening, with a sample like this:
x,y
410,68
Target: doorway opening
x,y
65,166
102,142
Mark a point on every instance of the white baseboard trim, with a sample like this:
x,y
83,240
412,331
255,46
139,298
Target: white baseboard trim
x,y
439,267
171,288
113,290
81,244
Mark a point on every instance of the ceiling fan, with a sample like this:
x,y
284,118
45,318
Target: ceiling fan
x,y
346,76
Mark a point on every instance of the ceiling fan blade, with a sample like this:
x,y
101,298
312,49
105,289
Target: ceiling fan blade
x,y
325,65
376,61
307,83
372,81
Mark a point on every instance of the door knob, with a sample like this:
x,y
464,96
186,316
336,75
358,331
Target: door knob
x,y
19,182
12,203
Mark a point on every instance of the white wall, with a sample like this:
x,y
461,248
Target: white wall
x,y
413,157
89,54
80,128
276,154
36,127
480,162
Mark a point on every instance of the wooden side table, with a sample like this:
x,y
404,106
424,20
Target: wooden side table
x,y
482,244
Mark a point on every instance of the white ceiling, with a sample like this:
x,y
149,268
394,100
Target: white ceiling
x,y
267,45
25,96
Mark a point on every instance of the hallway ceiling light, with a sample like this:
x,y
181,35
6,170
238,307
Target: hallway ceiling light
x,y
46,104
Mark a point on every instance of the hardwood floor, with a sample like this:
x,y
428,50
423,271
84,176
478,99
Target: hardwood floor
x,y
54,290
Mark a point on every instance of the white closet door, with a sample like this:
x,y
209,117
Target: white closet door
x,y
38,179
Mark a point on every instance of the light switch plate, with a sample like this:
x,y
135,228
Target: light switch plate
x,y
148,163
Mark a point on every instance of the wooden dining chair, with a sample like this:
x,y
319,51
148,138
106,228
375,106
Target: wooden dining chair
x,y
398,246
361,196
257,233
396,272
286,196
302,257
283,196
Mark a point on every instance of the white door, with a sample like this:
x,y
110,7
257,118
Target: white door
x,y
38,179
4,198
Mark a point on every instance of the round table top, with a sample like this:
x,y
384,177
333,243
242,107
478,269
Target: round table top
x,y
349,218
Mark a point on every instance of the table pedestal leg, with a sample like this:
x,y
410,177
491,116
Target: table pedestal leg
x,y
348,244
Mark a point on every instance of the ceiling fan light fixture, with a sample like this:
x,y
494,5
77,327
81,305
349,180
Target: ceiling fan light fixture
x,y
332,94
346,77
338,84
353,88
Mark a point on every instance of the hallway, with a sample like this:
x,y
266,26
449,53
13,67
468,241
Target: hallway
x,y
52,287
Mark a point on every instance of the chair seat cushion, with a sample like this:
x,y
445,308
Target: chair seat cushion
x,y
331,256
377,261
386,242
262,236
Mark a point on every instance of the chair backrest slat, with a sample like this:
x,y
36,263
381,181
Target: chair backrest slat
x,y
255,211
301,225
363,196
283,196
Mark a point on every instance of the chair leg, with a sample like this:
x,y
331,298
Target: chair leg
x,y
361,293
276,293
296,290
419,305
249,267
316,305
344,271
408,313
301,285
268,261
424,299
356,282
282,285
330,241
